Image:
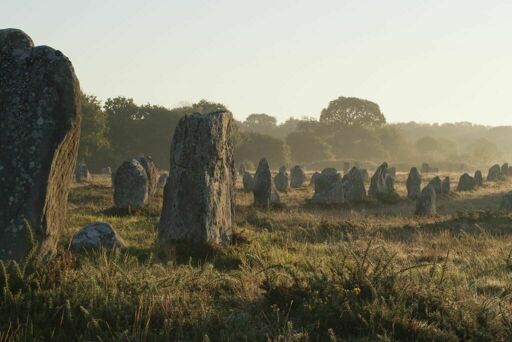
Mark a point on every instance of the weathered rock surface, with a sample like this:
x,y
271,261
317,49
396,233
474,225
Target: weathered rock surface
x,y
445,185
82,172
479,179
413,184
353,186
39,136
381,183
264,190
436,184
130,185
152,173
328,187
297,177
281,180
426,203
248,182
466,183
96,236
199,197
494,173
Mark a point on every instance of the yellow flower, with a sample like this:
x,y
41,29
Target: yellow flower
x,y
356,291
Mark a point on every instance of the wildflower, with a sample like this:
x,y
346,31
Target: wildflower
x,y
356,291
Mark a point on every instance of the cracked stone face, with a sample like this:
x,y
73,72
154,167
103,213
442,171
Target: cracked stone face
x,y
39,135
199,196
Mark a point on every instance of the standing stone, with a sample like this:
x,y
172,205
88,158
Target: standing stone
x,y
426,203
366,176
346,167
281,180
445,186
413,184
328,188
425,168
96,236
264,190
381,183
506,202
353,186
39,136
504,170
436,184
466,183
313,179
248,182
479,179
199,197
392,171
162,179
130,185
152,173
494,173
298,177
82,172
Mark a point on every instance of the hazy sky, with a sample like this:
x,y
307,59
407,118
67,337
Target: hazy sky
x,y
428,61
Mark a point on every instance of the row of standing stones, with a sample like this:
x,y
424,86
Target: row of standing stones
x,y
40,125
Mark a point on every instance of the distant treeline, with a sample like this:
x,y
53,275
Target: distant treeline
x,y
348,129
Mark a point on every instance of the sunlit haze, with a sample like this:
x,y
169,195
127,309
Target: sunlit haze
x,y
424,61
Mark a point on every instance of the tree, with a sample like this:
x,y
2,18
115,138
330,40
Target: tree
x,y
483,151
254,146
347,112
306,147
94,131
260,123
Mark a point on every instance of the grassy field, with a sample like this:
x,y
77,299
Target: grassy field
x,y
295,273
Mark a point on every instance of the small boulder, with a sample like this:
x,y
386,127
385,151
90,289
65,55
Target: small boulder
x,y
466,183
504,170
413,184
96,235
82,172
328,188
494,173
297,177
264,190
426,203
130,185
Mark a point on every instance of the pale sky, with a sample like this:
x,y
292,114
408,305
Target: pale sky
x,y
426,61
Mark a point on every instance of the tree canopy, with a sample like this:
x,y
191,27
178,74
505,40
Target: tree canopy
x,y
350,111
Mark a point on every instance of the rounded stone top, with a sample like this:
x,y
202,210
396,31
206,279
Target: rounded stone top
x,y
14,39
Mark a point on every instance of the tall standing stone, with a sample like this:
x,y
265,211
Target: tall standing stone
x,y
413,184
82,172
479,179
264,190
281,180
494,173
328,187
426,203
199,197
39,135
381,183
353,186
130,185
151,171
504,170
297,177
